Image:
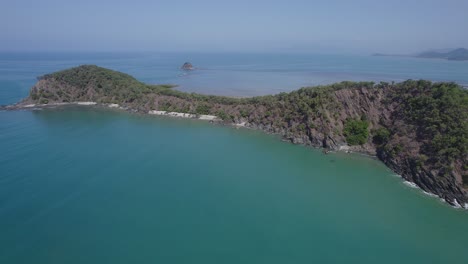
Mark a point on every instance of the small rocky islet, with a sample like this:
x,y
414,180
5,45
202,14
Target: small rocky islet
x,y
187,66
419,129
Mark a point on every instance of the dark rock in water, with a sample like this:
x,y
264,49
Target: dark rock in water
x,y
187,66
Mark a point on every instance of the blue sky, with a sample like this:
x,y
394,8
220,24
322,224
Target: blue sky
x,y
332,26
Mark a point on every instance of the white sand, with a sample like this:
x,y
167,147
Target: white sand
x,y
344,148
183,115
177,114
207,117
85,103
174,114
154,112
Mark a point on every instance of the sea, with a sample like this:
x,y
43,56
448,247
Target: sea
x,y
83,184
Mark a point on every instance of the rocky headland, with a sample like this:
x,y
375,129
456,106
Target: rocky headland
x,y
419,129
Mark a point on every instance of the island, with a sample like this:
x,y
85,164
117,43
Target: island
x,y
418,128
459,54
187,66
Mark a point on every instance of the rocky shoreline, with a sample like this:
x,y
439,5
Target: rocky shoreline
x,y
416,128
343,147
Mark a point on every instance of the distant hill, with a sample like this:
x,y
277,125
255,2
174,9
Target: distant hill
x,y
449,54
457,54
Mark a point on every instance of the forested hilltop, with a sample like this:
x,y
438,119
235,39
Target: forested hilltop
x,y
417,128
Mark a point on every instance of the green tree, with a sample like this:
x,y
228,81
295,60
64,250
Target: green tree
x,y
356,131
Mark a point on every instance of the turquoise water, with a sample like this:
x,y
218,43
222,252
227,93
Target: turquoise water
x,y
89,185
84,185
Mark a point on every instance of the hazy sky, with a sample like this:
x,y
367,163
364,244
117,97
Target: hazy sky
x,y
346,26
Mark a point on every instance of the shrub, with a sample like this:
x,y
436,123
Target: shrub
x,y
202,109
381,136
244,113
221,114
356,131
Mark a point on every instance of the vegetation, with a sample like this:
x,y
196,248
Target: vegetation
x,y
356,131
96,84
439,113
298,111
422,122
381,136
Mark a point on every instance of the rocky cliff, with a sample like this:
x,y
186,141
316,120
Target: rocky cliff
x,y
417,128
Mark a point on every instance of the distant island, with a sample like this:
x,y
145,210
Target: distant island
x,y
453,54
187,66
417,128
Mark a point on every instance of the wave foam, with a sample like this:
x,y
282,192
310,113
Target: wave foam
x,y
456,204
411,184
430,194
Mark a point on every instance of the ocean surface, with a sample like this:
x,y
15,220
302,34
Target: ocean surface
x,y
229,74
92,185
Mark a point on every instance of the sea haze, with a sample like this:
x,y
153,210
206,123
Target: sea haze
x,y
228,73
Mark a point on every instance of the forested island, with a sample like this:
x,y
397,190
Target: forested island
x,y
417,128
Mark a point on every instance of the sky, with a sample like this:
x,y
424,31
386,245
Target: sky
x,y
324,26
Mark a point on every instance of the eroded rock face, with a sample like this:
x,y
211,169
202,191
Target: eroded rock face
x,y
403,150
187,66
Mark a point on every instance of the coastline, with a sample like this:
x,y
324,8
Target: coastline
x,y
214,119
184,115
413,185
211,118
383,120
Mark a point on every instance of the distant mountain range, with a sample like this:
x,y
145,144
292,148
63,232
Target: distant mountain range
x,y
448,54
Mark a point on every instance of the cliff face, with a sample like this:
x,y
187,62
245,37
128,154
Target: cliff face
x,y
417,128
429,141
425,127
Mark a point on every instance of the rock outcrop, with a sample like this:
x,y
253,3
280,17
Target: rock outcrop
x,y
187,66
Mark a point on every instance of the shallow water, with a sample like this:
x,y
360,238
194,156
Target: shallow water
x,y
86,185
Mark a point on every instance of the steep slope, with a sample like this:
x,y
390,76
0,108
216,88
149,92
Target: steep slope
x,y
417,128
